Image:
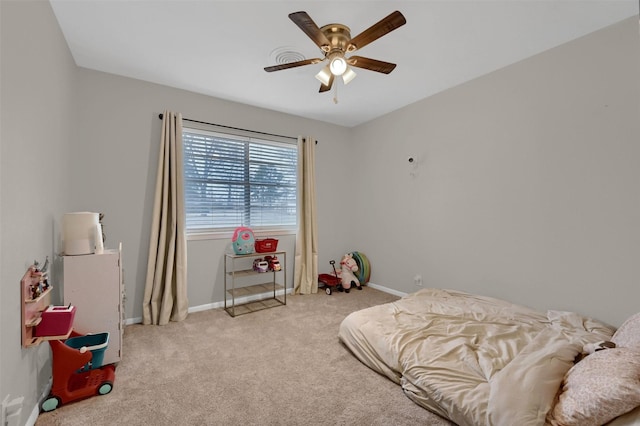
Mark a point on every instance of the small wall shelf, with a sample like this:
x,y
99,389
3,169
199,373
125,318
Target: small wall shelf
x,y
42,296
32,307
33,322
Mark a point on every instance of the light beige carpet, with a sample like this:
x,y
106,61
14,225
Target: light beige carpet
x,y
279,366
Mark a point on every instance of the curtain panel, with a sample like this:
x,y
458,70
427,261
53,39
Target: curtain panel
x,y
165,294
306,258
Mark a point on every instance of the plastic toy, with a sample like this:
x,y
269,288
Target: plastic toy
x,y
243,240
260,265
274,263
364,267
72,380
266,245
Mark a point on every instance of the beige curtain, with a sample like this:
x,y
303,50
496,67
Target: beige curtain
x,y
305,277
165,293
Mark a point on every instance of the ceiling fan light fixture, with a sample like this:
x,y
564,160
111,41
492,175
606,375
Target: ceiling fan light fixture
x,y
324,75
338,64
334,40
348,75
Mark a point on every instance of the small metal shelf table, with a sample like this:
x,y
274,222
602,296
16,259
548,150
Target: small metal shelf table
x,y
257,290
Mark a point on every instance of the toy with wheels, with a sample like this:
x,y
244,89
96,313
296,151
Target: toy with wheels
x,y
260,265
74,376
274,263
330,281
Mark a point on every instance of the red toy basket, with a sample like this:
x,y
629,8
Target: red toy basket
x,y
266,245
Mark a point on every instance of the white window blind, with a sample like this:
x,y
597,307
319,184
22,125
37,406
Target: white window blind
x,y
233,181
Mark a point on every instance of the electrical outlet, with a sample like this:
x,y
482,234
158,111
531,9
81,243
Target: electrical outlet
x,y
11,411
417,280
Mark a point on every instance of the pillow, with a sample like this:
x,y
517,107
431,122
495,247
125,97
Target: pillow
x,y
632,418
599,388
628,335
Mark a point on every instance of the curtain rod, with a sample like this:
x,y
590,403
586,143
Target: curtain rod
x,y
234,128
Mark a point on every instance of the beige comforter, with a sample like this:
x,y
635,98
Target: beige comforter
x,y
474,360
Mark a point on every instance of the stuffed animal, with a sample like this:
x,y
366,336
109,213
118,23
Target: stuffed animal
x,y
591,348
347,277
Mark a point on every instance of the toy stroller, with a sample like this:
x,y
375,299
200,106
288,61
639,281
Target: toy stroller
x,y
329,280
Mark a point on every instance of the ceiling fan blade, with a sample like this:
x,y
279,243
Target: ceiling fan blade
x,y
371,64
377,30
326,88
306,24
292,64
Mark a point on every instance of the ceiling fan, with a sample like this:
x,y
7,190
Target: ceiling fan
x,y
335,42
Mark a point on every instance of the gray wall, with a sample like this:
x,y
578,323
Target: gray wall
x,y
76,139
114,163
526,186
37,104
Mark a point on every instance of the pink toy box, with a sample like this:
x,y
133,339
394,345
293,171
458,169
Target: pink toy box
x,y
56,321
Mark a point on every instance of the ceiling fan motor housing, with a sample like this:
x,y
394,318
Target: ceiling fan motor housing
x,y
339,36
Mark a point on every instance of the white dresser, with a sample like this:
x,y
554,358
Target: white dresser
x,y
93,284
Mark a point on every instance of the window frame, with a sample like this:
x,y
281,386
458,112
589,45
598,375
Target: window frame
x,y
247,137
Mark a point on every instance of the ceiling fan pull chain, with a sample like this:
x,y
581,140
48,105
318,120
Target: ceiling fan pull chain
x,y
335,93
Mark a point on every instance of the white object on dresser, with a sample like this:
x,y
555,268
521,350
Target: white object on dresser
x,y
93,284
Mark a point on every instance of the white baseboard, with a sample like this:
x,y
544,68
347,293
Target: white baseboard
x,y
387,290
31,421
136,320
239,301
216,305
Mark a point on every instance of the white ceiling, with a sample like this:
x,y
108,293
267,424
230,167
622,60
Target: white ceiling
x,y
219,48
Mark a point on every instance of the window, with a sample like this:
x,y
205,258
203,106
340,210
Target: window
x,y
233,181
